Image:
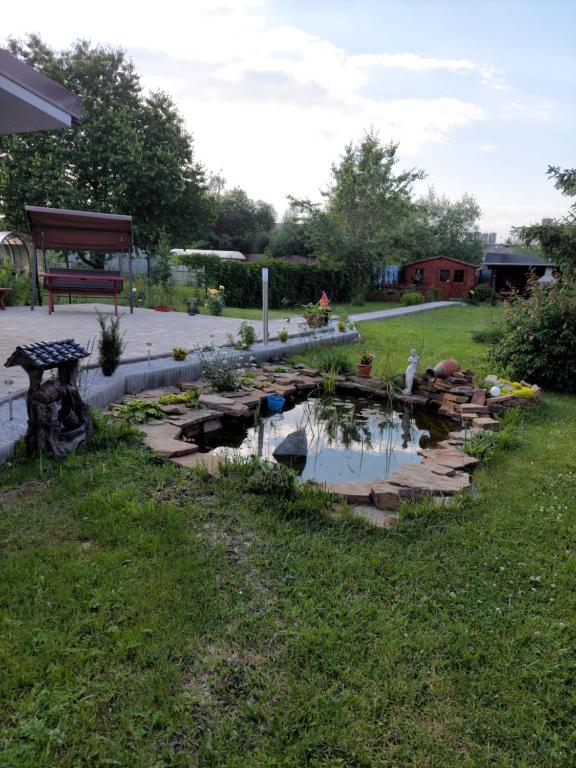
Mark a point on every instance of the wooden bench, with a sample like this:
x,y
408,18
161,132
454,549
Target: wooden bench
x,y
3,292
61,281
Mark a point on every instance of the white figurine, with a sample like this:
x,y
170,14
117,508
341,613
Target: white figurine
x,y
413,361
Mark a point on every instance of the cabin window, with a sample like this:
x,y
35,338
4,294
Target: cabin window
x,y
444,275
458,275
418,275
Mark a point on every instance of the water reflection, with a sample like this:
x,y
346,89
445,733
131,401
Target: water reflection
x,y
336,439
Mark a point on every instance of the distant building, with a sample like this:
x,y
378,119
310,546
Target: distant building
x,y
506,268
488,237
451,278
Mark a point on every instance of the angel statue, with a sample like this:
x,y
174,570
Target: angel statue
x,y
413,361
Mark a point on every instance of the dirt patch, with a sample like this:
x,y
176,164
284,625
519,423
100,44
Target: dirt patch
x,y
32,488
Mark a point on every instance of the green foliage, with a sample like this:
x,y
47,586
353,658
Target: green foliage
x,y
490,335
367,202
105,435
215,300
132,154
19,284
437,226
179,353
539,342
334,359
290,239
411,298
221,371
283,335
241,224
290,284
110,345
160,263
246,335
482,294
138,411
190,397
273,480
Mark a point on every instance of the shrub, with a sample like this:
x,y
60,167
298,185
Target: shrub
x,y
410,298
433,294
111,344
539,340
482,294
19,284
179,353
246,335
488,335
283,335
215,300
221,371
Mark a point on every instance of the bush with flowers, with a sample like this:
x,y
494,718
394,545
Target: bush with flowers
x,y
215,300
539,339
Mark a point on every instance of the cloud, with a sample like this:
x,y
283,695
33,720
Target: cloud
x,y
273,106
487,147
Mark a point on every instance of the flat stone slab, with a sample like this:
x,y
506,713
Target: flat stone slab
x,y
485,422
377,517
168,447
194,417
225,405
159,430
472,408
421,479
209,461
387,496
447,457
355,493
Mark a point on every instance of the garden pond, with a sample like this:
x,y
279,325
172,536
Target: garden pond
x,y
334,439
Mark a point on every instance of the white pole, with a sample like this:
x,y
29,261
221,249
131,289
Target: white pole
x,y
265,305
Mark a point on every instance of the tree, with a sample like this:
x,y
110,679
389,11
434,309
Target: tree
x,y
132,154
557,239
289,239
241,224
366,204
439,227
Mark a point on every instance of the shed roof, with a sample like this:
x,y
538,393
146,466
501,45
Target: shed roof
x,y
505,256
79,230
444,258
225,255
46,354
30,101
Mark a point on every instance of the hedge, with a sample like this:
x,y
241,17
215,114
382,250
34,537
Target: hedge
x,y
290,284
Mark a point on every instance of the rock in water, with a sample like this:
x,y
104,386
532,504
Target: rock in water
x,y
294,444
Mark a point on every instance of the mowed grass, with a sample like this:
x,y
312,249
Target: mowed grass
x,y
436,335
149,618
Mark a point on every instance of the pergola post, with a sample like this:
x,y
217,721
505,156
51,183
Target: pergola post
x,y
130,280
34,275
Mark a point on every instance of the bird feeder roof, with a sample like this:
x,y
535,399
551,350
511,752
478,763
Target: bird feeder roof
x,y
46,354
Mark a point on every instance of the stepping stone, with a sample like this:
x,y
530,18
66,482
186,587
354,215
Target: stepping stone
x,y
420,479
168,447
486,422
377,517
479,397
223,404
471,408
160,430
449,458
209,461
194,417
387,496
355,493
172,410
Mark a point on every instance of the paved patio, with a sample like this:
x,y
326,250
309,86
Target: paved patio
x,y
163,330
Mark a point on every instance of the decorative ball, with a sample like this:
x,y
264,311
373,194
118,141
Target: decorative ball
x,y
495,391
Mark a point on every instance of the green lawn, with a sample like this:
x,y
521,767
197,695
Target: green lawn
x,y
149,618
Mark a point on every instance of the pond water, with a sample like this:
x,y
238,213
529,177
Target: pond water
x,y
333,439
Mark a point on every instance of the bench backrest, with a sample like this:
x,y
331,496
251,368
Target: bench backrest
x,y
79,280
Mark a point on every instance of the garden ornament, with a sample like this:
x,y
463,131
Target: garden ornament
x,y
324,301
413,361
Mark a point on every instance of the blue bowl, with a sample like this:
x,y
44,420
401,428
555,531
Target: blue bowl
x,y
275,402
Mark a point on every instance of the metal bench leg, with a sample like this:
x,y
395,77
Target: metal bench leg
x,y
50,302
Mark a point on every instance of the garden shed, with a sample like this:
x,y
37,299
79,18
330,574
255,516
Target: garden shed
x,y
452,278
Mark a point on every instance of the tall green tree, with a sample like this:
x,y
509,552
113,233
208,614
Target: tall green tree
x,y
438,226
366,204
557,239
241,224
132,154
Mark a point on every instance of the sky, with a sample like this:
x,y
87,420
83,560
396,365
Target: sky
x,y
480,94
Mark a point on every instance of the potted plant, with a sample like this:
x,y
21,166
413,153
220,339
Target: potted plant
x,y
315,315
364,365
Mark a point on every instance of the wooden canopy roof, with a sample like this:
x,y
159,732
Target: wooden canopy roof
x,y
61,229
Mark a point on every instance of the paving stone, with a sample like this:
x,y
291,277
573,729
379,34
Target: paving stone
x,y
194,417
168,447
386,496
223,404
485,422
377,517
207,460
355,493
449,458
159,430
420,479
479,397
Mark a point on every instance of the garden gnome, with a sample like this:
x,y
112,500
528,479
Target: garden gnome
x,y
413,361
324,301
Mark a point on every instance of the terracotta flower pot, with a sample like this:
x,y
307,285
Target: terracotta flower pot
x,y
364,371
163,308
